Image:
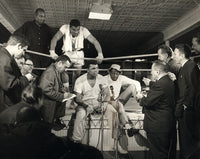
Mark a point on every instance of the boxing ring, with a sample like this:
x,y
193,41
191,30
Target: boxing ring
x,y
136,143
93,135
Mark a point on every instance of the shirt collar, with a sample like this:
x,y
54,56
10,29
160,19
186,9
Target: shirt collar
x,y
184,62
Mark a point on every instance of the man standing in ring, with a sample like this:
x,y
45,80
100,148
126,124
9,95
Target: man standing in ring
x,y
73,37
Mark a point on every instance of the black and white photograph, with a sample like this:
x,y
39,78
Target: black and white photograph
x,y
99,79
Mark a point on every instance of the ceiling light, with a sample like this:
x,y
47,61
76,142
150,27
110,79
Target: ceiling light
x,y
100,11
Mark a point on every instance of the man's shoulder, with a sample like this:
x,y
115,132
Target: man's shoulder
x,y
189,65
85,31
64,26
80,81
46,26
82,77
120,77
165,81
82,27
4,54
50,67
165,78
29,23
106,77
100,76
49,70
123,78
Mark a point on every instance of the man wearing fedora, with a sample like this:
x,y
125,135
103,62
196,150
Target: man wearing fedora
x,y
121,89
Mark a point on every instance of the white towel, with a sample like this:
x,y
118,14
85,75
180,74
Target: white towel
x,y
67,40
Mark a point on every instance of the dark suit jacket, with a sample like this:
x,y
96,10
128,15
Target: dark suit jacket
x,y
159,106
11,81
51,85
189,95
188,87
39,37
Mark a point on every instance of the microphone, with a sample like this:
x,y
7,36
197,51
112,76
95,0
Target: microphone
x,y
100,97
101,92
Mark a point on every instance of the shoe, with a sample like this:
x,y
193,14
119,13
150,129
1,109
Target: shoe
x,y
58,125
121,150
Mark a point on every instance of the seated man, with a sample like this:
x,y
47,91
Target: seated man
x,y
54,94
88,87
116,82
27,66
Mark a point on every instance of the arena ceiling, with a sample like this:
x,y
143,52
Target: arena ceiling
x,y
135,27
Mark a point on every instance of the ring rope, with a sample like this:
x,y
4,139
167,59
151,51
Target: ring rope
x,y
127,57
86,58
74,69
41,54
192,57
37,53
105,59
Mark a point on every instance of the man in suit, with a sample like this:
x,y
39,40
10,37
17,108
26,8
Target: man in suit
x,y
187,106
52,87
158,108
11,80
165,54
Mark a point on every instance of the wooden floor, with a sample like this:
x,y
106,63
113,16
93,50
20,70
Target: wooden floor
x,y
135,143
